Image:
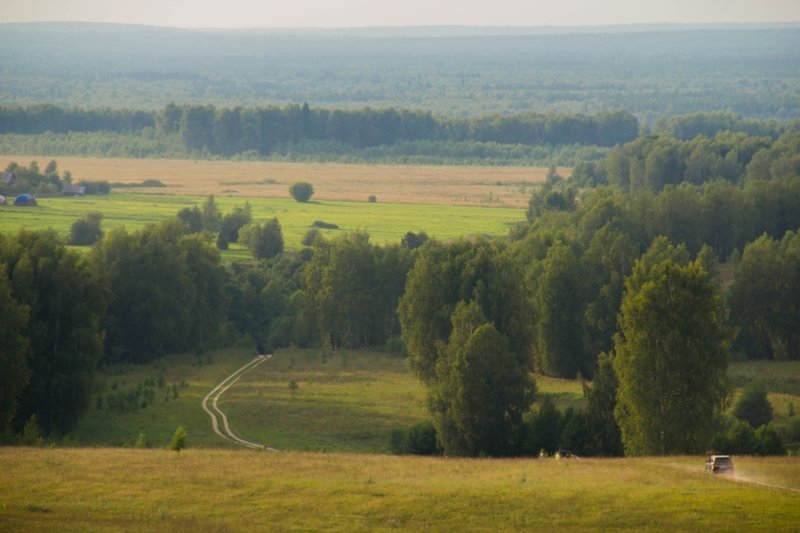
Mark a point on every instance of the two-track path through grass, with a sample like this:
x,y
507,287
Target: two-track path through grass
x,y
214,411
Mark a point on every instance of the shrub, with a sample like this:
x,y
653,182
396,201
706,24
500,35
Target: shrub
x,y
95,187
398,444
178,440
324,225
301,191
754,407
32,433
413,240
310,237
769,441
264,241
141,441
419,439
793,430
395,347
236,220
741,439
544,428
192,219
87,231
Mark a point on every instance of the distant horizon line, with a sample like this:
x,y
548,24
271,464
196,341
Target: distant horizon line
x,y
545,28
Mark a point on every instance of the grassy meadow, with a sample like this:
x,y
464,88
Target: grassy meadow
x,y
235,490
447,202
404,184
347,401
386,223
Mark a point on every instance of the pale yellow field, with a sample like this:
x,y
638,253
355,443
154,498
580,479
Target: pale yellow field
x,y
451,185
97,489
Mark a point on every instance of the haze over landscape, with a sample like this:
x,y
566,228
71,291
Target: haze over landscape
x,y
364,13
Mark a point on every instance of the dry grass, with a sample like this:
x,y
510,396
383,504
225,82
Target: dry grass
x,y
205,490
449,185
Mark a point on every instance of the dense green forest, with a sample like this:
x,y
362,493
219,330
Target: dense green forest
x,y
300,132
576,291
652,72
262,132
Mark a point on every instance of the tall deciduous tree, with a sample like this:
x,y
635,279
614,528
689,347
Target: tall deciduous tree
x,y
353,288
671,358
446,274
604,435
66,305
765,298
212,217
481,390
167,291
264,241
13,350
559,303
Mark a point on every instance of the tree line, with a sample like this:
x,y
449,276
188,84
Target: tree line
x,y
653,162
265,130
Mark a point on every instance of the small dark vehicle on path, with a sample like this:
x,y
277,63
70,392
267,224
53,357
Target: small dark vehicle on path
x,y
719,464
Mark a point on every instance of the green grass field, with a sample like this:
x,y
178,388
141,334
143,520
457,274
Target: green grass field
x,y
223,490
348,401
782,379
345,401
386,223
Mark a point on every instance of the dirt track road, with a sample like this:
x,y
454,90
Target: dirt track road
x,y
214,411
736,478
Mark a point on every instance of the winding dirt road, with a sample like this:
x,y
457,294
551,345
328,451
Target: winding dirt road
x,y
226,432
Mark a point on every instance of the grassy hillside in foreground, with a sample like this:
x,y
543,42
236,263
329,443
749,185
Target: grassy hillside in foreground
x,y
176,403
345,401
212,490
386,223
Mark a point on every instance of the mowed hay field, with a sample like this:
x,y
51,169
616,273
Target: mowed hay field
x,y
212,490
407,184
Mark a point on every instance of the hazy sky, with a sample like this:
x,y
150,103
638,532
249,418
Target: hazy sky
x,y
353,13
